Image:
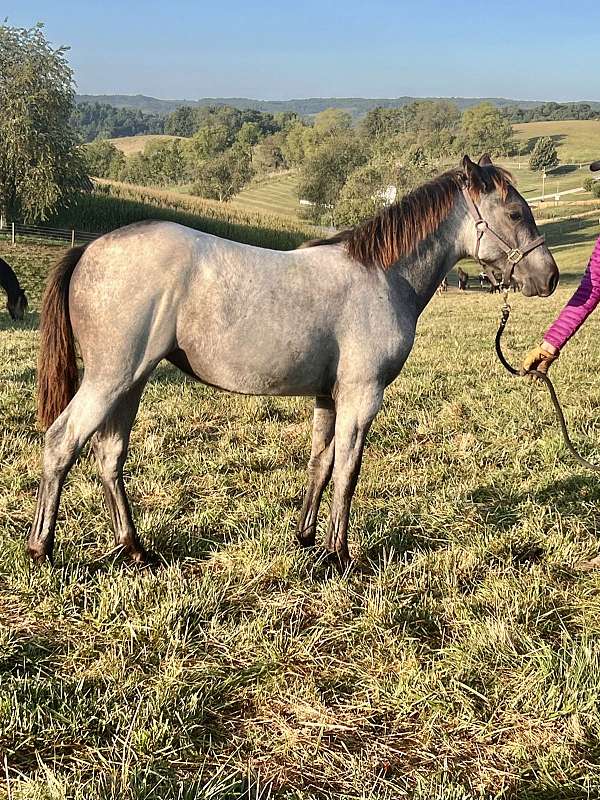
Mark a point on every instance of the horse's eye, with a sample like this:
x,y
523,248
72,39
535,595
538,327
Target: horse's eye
x,y
515,216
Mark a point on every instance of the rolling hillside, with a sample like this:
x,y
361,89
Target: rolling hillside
x,y
576,140
308,106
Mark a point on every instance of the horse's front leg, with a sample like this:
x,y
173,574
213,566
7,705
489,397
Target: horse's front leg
x,y
356,408
319,468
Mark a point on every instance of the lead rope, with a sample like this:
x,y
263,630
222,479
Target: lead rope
x,y
549,385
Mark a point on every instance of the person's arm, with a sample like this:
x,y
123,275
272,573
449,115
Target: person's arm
x,y
570,319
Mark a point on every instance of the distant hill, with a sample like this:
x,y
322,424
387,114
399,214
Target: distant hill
x,y
357,106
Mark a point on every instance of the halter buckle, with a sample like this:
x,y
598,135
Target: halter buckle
x,y
515,255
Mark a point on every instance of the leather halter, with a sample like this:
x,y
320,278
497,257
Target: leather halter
x,y
513,254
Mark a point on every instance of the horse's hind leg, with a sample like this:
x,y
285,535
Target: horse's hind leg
x,y
63,442
110,444
319,468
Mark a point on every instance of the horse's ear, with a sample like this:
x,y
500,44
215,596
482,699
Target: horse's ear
x,y
485,160
473,174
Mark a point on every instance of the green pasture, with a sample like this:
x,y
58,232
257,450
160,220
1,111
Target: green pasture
x,y
276,194
460,660
576,140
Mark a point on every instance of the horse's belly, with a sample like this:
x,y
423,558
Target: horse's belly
x,y
248,369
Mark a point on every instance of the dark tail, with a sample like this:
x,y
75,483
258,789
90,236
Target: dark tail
x,y
57,364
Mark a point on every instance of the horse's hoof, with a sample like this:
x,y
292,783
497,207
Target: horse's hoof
x,y
38,555
138,557
305,540
341,561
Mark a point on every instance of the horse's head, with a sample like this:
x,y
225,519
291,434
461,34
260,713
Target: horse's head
x,y
505,237
17,305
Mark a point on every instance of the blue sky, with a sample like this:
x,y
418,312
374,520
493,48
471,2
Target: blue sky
x,y
375,48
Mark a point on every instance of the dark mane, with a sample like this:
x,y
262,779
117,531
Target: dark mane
x,y
395,232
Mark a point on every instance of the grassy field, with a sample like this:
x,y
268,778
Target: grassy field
x,y
277,194
576,140
461,662
129,145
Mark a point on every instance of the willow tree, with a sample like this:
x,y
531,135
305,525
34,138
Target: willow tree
x,y
41,164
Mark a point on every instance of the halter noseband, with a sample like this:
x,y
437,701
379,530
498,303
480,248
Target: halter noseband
x,y
513,254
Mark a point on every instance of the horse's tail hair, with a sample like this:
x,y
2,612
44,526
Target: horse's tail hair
x,y
57,376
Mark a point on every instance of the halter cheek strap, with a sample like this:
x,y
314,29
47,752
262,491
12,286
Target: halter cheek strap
x,y
513,254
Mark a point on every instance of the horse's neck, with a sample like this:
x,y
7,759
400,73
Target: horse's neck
x,y
429,263
8,280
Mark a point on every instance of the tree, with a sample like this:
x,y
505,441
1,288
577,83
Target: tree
x,y
181,122
100,121
208,141
332,120
381,123
160,164
267,155
249,135
431,116
41,165
223,176
380,182
544,155
486,130
103,159
227,116
293,147
325,172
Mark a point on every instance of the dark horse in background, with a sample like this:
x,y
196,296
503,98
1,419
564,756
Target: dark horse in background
x,y
16,301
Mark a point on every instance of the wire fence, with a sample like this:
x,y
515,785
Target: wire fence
x,y
14,230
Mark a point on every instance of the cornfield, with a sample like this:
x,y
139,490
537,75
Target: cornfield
x,y
112,205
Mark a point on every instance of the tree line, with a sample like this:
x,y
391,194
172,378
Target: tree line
x,y
551,112
96,120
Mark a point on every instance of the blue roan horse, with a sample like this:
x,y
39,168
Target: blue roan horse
x,y
335,320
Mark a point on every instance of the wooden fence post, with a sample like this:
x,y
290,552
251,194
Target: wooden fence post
x,y
12,232
72,238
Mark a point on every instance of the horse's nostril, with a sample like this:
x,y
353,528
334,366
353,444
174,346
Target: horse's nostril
x,y
553,281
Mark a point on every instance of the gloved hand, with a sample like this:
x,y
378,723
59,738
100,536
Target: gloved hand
x,y
540,358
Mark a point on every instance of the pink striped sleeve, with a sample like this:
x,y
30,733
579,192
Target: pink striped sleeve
x,y
580,306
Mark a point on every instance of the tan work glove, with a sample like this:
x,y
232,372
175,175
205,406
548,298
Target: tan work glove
x,y
540,358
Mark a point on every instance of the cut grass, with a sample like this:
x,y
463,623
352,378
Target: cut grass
x,y
277,194
463,663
